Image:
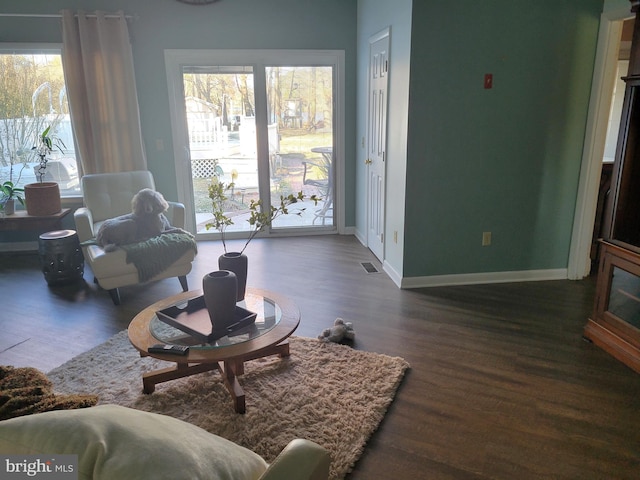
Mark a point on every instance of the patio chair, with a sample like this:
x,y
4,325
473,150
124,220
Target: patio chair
x,y
322,179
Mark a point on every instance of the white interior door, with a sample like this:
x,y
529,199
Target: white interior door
x,y
376,140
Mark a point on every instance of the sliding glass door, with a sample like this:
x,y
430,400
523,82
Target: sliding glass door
x,y
263,123
221,123
300,114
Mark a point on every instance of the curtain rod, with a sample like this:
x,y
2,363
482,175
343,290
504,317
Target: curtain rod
x,y
57,15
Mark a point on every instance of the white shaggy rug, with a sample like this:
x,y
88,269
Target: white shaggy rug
x,y
328,393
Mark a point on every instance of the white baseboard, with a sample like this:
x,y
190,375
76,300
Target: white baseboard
x,y
361,238
348,231
481,278
393,274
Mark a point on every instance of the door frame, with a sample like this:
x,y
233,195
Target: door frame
x,y
176,59
579,264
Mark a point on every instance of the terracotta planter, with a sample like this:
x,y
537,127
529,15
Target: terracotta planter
x,y
42,198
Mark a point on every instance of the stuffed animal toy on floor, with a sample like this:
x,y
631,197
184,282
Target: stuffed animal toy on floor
x,y
147,220
340,331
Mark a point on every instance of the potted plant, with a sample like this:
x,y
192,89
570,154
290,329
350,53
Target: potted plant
x,y
10,194
46,142
258,219
43,198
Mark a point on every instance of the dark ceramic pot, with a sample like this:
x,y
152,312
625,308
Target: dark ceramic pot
x,y
219,290
237,263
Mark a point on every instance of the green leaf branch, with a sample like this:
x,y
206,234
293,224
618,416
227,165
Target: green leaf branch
x,y
259,219
46,144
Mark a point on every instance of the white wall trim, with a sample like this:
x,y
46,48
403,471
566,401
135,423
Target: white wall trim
x,y
349,231
362,237
482,278
392,273
579,263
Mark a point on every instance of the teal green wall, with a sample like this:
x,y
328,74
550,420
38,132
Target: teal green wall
x,y
229,24
617,5
504,160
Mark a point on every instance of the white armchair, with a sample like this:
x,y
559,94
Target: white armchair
x,y
108,195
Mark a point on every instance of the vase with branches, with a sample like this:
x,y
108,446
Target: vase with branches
x,y
259,220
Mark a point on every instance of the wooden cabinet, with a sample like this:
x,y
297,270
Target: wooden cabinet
x,y
615,323
622,221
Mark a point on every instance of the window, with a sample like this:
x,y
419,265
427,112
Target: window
x,y
32,99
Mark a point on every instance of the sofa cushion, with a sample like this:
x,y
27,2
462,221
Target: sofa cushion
x,y
118,442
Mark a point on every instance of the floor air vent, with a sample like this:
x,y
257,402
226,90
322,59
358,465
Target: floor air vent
x,y
369,267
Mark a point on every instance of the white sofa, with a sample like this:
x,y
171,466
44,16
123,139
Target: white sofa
x,y
109,195
114,442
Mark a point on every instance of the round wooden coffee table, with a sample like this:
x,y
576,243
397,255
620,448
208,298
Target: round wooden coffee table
x,y
277,318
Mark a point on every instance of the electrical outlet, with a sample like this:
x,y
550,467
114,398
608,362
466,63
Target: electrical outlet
x,y
486,239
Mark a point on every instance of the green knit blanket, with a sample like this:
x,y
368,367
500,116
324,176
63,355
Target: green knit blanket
x,y
155,255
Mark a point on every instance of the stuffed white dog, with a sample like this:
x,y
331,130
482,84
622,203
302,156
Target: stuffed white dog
x,y
146,220
340,332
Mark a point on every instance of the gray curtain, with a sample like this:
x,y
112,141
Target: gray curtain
x,y
103,101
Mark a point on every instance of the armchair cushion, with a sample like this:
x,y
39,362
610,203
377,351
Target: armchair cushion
x,y
109,195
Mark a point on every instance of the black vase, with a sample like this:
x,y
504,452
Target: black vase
x,y
237,263
219,290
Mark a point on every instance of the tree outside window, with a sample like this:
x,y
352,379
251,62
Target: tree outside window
x,y
32,99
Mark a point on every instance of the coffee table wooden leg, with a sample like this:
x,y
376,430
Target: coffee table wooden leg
x,y
283,349
229,371
180,370
148,386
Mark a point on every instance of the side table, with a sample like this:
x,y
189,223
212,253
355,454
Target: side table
x,y
61,257
21,221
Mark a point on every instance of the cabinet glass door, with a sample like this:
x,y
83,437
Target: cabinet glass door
x,y
624,299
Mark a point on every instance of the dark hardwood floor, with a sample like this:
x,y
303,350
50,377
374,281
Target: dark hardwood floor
x,y
501,385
